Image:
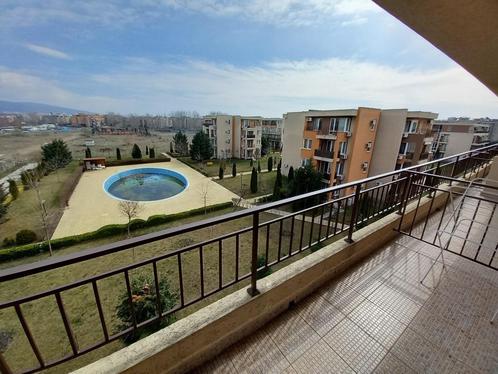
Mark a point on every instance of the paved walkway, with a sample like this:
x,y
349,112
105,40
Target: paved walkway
x,y
379,318
229,175
16,175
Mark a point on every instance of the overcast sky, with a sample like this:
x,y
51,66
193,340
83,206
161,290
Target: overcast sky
x,y
259,57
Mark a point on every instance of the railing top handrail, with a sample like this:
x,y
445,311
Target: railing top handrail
x,y
59,261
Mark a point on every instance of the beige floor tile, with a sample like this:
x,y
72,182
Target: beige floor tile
x,y
395,303
360,351
377,323
320,359
220,364
292,335
257,354
320,314
391,364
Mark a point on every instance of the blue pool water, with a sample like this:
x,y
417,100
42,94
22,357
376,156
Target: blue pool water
x,y
145,184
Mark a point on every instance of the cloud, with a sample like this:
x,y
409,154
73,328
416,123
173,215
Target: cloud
x,y
118,13
47,51
273,88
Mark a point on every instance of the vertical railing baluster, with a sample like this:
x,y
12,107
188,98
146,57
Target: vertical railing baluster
x,y
158,291
302,233
291,235
30,337
329,219
220,262
337,216
320,225
267,243
67,325
4,367
354,213
311,228
130,300
100,310
279,252
237,244
253,290
201,270
180,280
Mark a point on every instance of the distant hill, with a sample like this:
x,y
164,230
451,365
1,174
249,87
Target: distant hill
x,y
26,107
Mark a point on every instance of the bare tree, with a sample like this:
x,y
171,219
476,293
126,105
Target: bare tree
x,y
130,209
204,194
33,181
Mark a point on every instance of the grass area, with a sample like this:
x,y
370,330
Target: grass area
x,y
266,182
24,213
45,322
211,167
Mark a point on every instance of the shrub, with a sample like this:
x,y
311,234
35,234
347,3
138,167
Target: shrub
x,y
88,153
144,303
146,150
220,173
201,148
259,167
270,163
13,190
118,154
234,169
9,242
136,153
25,237
290,175
264,270
152,153
254,181
56,154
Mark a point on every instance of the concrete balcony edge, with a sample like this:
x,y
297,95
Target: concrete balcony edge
x,y
202,335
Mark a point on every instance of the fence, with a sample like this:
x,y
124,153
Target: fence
x,y
197,271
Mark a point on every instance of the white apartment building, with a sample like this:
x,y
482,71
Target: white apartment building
x,y
234,136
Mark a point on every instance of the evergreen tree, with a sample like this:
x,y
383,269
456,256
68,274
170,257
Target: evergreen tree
x,y
56,154
3,208
254,181
220,172
25,177
136,153
171,147
259,167
181,143
270,163
201,148
306,179
146,150
290,175
234,170
251,163
13,190
118,154
152,153
88,153
277,188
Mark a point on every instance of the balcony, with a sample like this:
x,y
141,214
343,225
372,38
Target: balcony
x,y
250,136
376,315
424,156
329,155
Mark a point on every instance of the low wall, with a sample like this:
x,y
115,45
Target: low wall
x,y
205,333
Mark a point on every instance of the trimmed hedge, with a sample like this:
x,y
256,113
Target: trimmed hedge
x,y
138,161
104,232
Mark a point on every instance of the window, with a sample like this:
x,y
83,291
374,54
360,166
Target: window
x,y
339,168
305,162
342,124
411,126
364,166
333,125
373,123
343,148
317,124
307,143
403,148
368,146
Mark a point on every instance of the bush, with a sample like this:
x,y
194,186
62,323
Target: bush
x,y
104,232
13,190
144,300
9,242
234,169
254,181
270,163
136,153
220,172
118,154
25,237
264,270
56,154
152,153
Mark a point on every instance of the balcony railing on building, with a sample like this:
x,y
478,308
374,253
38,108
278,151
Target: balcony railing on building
x,y
198,269
324,153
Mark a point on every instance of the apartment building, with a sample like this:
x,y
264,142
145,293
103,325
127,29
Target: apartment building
x,y
87,120
234,136
338,143
457,135
347,145
273,130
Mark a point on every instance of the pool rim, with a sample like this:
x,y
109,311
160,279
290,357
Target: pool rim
x,y
136,171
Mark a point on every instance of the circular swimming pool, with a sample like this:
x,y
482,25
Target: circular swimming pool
x,y
145,184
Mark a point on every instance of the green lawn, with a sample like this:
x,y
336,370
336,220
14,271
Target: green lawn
x,y
212,169
24,213
46,325
266,181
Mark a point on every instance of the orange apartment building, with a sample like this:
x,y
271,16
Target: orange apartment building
x,y
345,145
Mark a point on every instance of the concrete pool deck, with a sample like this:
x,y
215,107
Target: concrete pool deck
x,y
90,207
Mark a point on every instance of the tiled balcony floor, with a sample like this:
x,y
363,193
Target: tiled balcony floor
x,y
379,318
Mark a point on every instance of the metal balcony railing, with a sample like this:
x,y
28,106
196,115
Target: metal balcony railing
x,y
314,218
324,153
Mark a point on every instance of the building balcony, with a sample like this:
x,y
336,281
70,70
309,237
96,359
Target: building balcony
x,y
347,289
329,155
424,156
250,136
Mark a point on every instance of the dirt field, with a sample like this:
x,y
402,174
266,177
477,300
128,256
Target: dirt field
x,y
26,147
